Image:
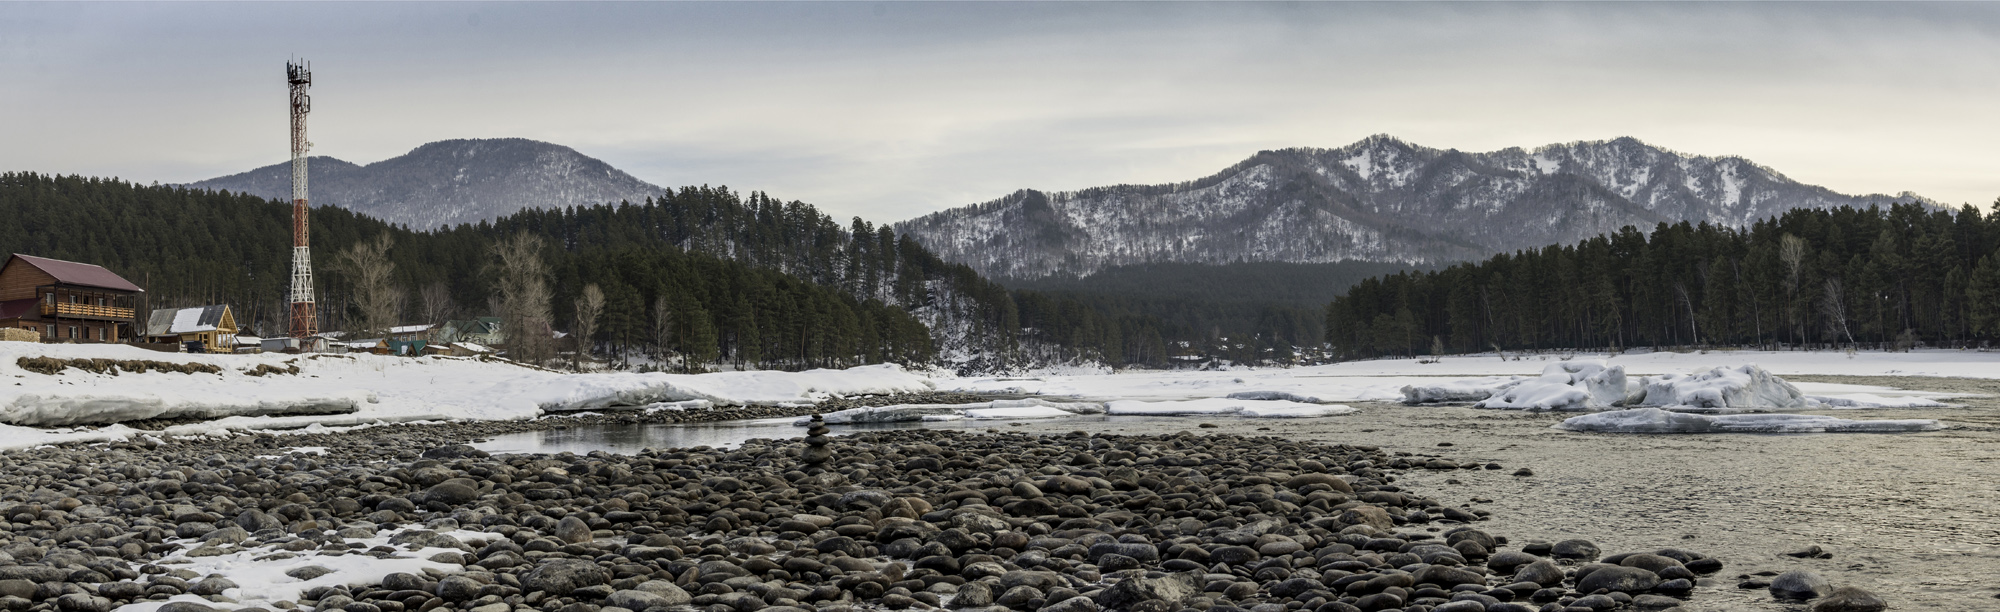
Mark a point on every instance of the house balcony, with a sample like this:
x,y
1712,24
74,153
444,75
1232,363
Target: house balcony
x,y
86,311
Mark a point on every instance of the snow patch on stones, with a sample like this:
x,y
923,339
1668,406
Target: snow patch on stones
x,y
268,574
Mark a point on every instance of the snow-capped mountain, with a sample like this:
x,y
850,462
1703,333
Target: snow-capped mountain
x,y
451,182
1380,199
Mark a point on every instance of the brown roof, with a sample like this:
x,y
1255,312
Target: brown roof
x,y
73,273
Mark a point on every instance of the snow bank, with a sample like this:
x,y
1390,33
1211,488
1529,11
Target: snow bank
x,y
360,390
997,409
103,405
16,438
1655,420
1223,406
762,388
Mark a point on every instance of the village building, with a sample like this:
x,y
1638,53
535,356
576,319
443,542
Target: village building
x,y
408,333
65,301
211,329
483,331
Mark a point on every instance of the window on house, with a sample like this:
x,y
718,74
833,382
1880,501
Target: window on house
x,y
52,330
100,302
72,331
49,298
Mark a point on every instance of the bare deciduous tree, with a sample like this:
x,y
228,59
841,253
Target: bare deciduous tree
x,y
1792,251
1833,305
663,326
522,281
435,299
376,295
588,307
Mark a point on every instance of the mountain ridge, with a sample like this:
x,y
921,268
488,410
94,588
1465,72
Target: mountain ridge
x,y
1379,199
449,182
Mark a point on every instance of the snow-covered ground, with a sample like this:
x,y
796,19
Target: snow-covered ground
x,y
1383,380
371,389
347,391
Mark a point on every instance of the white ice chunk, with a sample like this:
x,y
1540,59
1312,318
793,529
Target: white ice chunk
x,y
1744,388
997,409
1274,395
1869,400
1471,390
1294,412
1221,405
1655,420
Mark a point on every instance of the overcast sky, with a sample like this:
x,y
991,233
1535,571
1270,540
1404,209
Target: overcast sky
x,y
892,110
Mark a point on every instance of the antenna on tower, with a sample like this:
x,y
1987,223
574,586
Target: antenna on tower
x,y
304,317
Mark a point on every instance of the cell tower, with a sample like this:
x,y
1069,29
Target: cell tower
x,y
305,319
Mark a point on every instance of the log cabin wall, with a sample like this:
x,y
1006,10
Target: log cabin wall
x,y
19,280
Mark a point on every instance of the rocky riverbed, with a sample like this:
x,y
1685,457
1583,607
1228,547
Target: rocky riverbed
x,y
1020,518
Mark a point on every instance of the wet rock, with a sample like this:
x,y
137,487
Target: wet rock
x,y
1581,550
1618,578
1542,572
1175,589
561,576
212,585
1809,552
1799,584
1850,599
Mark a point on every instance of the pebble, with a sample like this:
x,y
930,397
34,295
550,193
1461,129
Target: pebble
x,y
912,519
1799,584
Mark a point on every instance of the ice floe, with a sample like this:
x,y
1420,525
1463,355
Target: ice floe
x,y
997,409
1592,386
760,388
1224,406
1657,421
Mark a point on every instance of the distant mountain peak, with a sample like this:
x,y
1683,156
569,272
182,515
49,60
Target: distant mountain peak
x,y
450,182
1380,199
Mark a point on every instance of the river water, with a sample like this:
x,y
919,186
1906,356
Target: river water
x,y
1914,517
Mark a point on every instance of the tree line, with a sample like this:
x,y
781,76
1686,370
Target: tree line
x,y
1893,278
700,275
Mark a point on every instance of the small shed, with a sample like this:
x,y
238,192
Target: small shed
x,y
249,344
212,328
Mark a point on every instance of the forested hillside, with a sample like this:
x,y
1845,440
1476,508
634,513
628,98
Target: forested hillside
x,y
200,247
1872,277
1239,312
1380,200
700,272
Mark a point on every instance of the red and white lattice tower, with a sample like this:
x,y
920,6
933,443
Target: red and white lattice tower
x,y
304,320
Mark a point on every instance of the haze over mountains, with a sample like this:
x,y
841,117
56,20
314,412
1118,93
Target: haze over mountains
x,y
1377,200
451,182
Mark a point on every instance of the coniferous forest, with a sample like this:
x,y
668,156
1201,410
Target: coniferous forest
x,y
701,273
1893,278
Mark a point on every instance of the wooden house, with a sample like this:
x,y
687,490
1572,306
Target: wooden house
x,y
482,330
212,328
409,333
65,301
